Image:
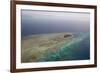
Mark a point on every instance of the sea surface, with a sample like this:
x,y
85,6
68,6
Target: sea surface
x,y
54,36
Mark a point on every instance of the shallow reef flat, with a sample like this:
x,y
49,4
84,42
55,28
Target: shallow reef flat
x,y
54,47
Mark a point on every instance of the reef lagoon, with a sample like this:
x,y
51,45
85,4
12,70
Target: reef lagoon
x,y
65,46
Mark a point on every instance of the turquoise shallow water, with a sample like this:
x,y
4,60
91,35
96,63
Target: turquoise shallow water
x,y
77,49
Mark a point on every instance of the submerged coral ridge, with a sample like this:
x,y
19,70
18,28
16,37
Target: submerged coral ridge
x,y
55,47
